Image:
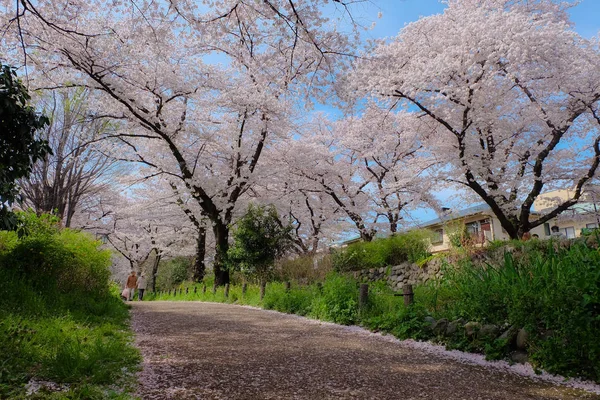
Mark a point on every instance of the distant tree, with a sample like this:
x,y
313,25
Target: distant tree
x,y
77,170
19,147
259,239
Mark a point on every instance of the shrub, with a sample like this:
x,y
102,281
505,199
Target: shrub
x,y
412,246
59,318
296,301
338,301
304,269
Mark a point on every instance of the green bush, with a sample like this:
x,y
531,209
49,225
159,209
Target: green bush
x,y
60,319
296,301
550,290
338,301
412,246
173,272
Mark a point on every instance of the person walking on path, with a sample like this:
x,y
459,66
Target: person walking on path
x,y
131,284
141,286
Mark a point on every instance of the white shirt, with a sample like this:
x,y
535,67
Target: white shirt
x,y
141,283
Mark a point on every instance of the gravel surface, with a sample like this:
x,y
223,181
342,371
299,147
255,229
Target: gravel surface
x,y
196,350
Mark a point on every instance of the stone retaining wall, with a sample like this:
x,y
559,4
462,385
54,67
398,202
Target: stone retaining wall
x,y
403,274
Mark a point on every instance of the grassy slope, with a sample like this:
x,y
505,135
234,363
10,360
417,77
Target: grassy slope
x,y
60,321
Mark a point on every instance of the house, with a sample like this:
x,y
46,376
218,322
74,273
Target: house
x,y
577,219
483,226
479,222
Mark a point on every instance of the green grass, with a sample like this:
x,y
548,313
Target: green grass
x,y
60,320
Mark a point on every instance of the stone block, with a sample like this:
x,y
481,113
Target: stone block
x,y
522,337
488,331
471,328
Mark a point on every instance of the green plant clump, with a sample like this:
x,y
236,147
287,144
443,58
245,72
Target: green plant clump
x,y
551,290
412,246
60,319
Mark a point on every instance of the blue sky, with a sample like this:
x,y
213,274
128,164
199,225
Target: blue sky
x,y
397,13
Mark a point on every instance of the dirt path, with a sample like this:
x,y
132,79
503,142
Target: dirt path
x,y
215,351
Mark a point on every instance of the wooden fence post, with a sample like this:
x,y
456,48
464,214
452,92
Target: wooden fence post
x,y
204,289
195,289
409,296
244,288
364,295
180,291
263,286
214,289
226,292
187,290
288,285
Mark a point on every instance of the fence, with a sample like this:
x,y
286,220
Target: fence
x,y
407,292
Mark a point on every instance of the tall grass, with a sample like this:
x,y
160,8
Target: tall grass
x,y
60,320
551,291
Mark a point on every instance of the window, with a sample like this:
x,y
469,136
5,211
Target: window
x,y
569,232
438,236
547,229
473,228
592,226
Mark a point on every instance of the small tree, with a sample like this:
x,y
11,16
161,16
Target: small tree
x,y
259,239
19,147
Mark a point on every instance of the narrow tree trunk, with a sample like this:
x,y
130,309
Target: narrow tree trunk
x,y
199,266
221,232
366,235
154,271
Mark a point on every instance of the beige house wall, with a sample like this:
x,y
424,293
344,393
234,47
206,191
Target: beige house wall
x,y
552,199
497,233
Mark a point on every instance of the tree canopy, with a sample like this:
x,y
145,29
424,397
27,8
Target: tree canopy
x,y
259,238
19,146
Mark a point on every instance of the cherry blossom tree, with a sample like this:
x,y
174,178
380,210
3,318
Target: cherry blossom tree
x,y
391,158
510,93
370,166
147,225
202,124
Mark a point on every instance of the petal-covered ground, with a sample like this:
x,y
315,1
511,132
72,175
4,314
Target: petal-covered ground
x,y
196,350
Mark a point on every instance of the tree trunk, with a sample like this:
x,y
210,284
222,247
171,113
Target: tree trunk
x,y
199,267
221,232
154,271
367,235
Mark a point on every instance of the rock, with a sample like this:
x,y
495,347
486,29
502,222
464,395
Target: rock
x,y
509,335
440,326
522,336
372,271
488,331
471,328
431,321
519,357
452,327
